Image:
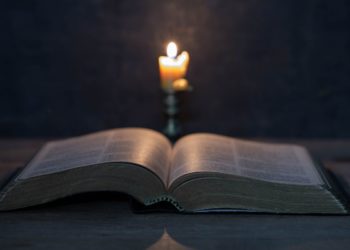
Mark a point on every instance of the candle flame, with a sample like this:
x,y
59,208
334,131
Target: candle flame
x,y
171,50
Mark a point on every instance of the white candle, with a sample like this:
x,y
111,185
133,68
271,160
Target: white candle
x,y
173,68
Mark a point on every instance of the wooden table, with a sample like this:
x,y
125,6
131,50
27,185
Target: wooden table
x,y
102,220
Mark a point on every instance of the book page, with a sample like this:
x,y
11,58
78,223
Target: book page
x,y
140,146
278,163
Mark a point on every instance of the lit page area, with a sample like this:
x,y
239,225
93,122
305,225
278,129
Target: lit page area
x,y
140,146
262,161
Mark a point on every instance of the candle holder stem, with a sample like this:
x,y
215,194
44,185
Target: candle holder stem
x,y
172,129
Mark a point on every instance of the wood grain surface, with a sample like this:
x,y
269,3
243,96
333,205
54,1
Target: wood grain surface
x,y
106,221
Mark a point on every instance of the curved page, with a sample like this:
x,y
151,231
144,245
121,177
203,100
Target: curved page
x,y
287,164
140,146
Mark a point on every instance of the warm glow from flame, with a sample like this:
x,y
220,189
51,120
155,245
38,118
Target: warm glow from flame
x,y
171,50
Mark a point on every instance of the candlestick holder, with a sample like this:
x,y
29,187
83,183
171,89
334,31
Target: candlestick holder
x,y
171,101
172,128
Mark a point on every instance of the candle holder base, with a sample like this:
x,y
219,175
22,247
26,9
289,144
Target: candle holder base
x,y
172,129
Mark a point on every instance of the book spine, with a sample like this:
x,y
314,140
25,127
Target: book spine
x,y
166,198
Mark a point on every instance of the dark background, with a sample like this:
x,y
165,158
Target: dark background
x,y
260,68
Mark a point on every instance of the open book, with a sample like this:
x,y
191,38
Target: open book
x,y
200,173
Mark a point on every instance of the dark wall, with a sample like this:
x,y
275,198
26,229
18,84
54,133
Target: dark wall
x,y
259,68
